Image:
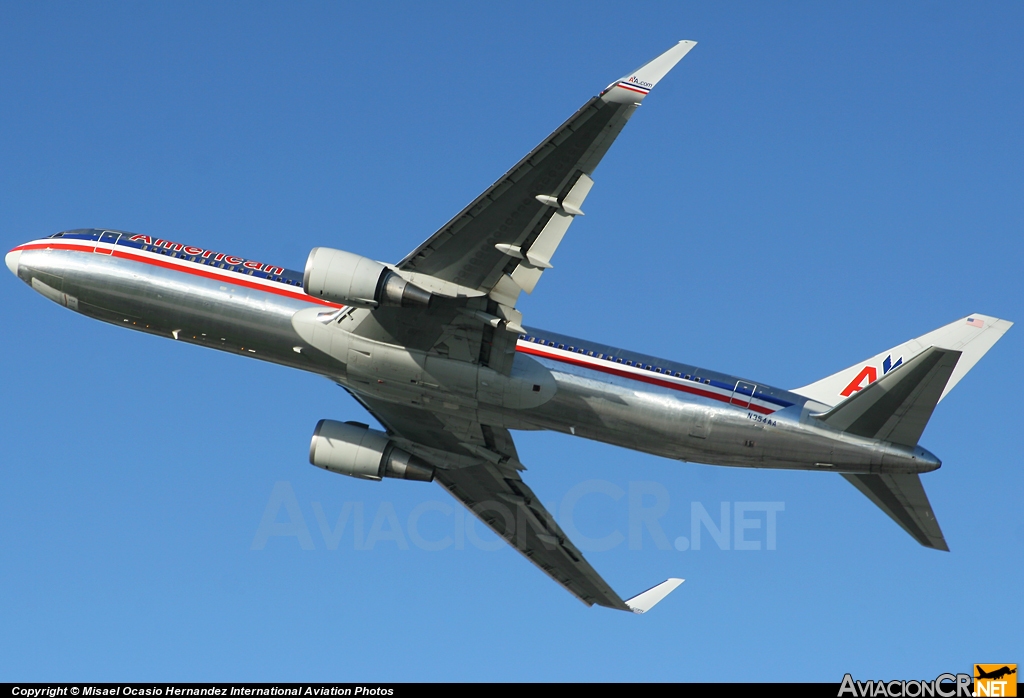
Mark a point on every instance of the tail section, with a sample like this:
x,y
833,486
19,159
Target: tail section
x,y
891,397
973,336
897,406
902,497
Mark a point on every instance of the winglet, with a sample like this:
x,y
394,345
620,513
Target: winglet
x,y
642,603
632,88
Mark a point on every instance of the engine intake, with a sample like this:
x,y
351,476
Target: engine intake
x,y
354,449
347,278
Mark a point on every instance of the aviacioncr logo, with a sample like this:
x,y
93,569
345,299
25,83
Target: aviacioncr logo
x,y
868,375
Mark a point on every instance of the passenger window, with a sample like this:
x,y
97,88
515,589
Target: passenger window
x,y
657,370
677,374
707,381
619,360
561,346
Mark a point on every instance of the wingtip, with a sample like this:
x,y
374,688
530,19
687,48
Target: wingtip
x,y
643,602
633,87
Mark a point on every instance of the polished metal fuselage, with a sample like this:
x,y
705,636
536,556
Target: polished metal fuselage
x,y
660,413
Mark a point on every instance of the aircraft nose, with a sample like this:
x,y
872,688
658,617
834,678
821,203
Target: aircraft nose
x,y
12,259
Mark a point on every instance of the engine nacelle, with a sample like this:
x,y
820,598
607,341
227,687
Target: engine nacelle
x,y
347,278
354,449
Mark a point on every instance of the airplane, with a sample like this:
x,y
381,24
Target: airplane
x,y
434,348
994,674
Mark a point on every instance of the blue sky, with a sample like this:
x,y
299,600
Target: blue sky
x,y
812,184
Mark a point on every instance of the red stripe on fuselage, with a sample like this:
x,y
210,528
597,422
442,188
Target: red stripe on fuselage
x,y
295,295
615,371
183,267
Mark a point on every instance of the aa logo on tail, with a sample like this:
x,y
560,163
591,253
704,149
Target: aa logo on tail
x,y
868,375
995,680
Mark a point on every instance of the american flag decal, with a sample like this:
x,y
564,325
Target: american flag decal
x,y
974,322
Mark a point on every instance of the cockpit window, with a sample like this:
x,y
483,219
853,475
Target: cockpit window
x,y
79,234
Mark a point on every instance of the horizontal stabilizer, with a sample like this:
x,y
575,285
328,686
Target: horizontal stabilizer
x,y
902,497
642,603
897,407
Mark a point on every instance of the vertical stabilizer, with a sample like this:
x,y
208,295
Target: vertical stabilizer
x,y
973,336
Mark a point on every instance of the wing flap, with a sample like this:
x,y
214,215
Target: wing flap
x,y
479,466
472,249
510,508
508,213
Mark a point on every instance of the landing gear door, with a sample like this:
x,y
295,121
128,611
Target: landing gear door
x,y
743,393
110,237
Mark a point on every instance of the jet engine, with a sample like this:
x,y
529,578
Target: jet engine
x,y
354,449
347,278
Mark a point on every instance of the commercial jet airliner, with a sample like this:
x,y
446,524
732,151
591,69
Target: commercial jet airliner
x,y
434,348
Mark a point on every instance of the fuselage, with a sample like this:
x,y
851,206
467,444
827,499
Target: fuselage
x,y
603,393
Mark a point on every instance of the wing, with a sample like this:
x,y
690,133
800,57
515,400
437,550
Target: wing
x,y
489,484
509,508
501,243
503,240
